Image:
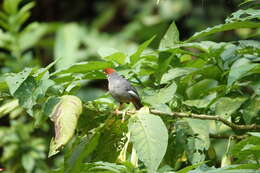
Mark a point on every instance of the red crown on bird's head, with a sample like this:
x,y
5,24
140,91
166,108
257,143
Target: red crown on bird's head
x,y
109,70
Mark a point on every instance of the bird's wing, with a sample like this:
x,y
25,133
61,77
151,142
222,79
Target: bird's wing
x,y
133,94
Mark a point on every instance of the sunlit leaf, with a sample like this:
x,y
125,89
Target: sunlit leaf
x,y
14,80
200,88
8,107
242,15
134,58
240,69
150,138
112,55
170,38
201,141
163,96
225,106
223,27
31,90
84,67
175,73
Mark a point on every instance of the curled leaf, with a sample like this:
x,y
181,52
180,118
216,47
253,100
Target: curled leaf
x,y
65,116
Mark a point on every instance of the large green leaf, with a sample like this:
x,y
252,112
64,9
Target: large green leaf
x,y
150,138
112,55
14,80
200,142
201,103
170,38
84,67
31,90
65,116
200,88
239,69
223,27
164,61
11,6
225,106
176,72
163,96
134,58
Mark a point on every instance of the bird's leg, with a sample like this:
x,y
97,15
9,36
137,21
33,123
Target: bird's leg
x,y
123,115
117,111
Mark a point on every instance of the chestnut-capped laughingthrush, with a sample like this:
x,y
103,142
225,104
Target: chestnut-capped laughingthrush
x,y
121,89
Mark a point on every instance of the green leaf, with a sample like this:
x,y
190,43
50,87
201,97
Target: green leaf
x,y
3,84
252,110
134,58
163,96
244,149
239,69
242,15
8,107
84,67
226,106
191,167
256,134
201,141
170,38
200,88
201,103
112,55
23,14
67,42
106,167
49,105
86,146
31,90
31,35
163,64
28,162
11,6
40,73
14,80
176,72
223,27
150,138
65,116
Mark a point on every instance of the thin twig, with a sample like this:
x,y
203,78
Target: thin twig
x,y
202,117
222,136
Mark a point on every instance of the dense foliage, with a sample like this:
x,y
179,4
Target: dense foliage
x,y
202,98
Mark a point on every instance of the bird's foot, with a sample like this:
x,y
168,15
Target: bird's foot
x,y
123,116
117,111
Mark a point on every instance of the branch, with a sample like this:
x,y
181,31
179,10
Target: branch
x,y
219,136
202,117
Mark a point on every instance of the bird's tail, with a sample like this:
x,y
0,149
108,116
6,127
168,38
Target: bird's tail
x,y
137,103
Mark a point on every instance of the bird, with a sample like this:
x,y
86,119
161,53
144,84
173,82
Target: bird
x,y
121,89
